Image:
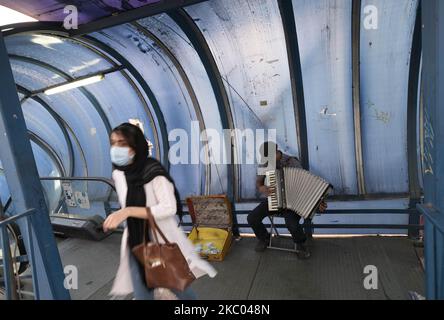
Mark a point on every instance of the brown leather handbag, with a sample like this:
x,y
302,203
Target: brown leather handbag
x,y
164,264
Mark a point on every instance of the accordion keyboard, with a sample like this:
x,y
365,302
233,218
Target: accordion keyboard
x,y
272,181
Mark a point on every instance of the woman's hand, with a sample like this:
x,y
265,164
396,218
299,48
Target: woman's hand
x,y
115,219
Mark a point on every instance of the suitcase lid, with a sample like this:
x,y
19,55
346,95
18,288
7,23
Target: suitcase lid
x,y
211,211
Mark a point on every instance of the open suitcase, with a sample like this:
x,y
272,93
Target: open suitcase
x,y
212,233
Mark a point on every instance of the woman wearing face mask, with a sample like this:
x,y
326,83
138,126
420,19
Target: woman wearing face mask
x,y
143,184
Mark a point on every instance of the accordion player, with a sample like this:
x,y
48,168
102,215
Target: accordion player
x,y
297,190
256,216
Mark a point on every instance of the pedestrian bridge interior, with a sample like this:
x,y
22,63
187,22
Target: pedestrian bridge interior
x,y
342,88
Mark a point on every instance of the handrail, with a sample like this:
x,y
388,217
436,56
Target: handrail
x,y
11,219
8,272
109,182
92,179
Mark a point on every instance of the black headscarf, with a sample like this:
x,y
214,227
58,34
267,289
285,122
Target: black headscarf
x,y
141,171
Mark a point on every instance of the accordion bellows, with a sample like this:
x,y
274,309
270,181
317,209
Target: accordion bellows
x,y
297,190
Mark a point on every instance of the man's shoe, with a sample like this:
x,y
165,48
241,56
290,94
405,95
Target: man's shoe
x,y
261,246
302,252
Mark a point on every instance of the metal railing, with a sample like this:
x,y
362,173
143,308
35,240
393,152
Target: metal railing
x,y
309,225
108,182
8,262
90,179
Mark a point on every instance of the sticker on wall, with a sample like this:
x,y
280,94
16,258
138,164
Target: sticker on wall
x,y
69,194
82,199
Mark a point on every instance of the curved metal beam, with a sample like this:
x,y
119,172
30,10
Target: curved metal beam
x,y
297,84
53,155
55,30
59,122
37,26
94,47
189,87
194,34
49,150
412,117
89,96
150,94
148,10
356,78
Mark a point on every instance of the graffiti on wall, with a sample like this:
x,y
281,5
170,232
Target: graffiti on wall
x,y
429,145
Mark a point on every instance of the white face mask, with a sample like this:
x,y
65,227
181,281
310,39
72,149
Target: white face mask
x,y
120,156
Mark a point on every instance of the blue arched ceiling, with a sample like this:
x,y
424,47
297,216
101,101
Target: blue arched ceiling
x,y
169,88
47,167
75,108
248,44
38,120
169,33
33,71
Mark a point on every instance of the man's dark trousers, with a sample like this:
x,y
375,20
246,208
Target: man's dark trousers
x,y
256,217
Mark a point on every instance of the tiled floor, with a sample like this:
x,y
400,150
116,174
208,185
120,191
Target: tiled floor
x,y
335,270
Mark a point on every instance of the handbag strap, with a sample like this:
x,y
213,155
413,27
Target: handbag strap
x,y
153,225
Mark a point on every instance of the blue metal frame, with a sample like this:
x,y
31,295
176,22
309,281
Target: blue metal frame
x,y
150,94
412,118
192,31
89,96
433,164
60,123
297,84
7,262
206,176
356,71
49,151
26,189
109,54
132,15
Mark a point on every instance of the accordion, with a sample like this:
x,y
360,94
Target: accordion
x,y
297,190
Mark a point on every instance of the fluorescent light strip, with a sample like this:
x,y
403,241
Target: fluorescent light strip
x,y
74,84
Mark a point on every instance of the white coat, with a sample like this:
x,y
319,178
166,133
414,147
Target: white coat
x,y
162,203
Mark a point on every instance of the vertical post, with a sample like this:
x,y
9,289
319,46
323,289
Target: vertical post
x,y
8,270
412,121
297,87
433,163
24,184
356,75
